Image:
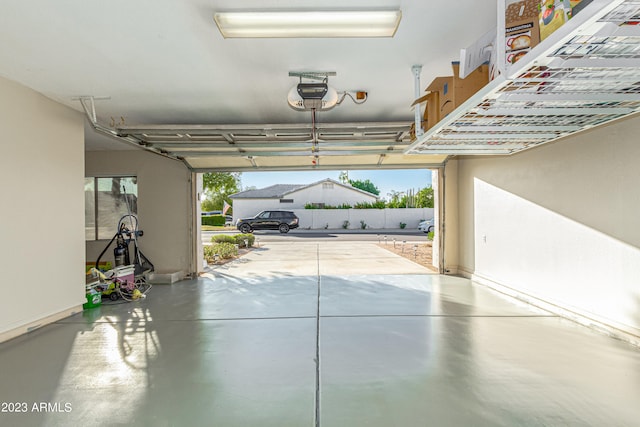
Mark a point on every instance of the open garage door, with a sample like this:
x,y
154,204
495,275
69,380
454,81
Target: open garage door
x,y
334,146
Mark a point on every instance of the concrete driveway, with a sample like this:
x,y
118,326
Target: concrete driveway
x,y
326,334
315,258
301,235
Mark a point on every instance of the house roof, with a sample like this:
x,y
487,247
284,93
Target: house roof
x,y
278,191
333,181
272,192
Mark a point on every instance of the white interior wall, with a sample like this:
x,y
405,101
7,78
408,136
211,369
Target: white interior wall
x,y
42,216
165,206
559,223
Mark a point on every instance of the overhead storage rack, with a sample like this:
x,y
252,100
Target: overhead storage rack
x,y
585,74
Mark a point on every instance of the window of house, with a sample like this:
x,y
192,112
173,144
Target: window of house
x,y
327,185
106,200
286,200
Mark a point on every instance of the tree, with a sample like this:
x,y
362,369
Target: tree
x,y
221,181
365,185
424,198
395,199
218,186
344,177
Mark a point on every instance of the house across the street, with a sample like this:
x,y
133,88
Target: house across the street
x,y
327,192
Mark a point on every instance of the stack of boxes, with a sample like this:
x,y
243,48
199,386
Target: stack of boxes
x,y
522,30
445,94
527,23
555,13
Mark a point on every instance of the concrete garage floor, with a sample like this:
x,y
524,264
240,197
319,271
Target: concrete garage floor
x,y
397,346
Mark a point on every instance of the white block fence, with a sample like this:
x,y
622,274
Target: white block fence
x,y
389,218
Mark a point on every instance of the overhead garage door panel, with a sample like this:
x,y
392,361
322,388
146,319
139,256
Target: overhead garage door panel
x,y
334,146
219,163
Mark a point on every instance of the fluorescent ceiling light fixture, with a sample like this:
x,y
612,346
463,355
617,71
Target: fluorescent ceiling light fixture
x,y
362,23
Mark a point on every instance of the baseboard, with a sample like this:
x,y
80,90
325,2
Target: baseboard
x,y
586,319
467,274
37,324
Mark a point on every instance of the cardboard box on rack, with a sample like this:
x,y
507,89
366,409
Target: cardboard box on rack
x,y
465,88
553,14
445,101
445,94
522,31
451,92
431,112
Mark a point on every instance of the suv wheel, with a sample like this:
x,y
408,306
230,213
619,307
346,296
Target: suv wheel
x,y
245,228
284,228
430,229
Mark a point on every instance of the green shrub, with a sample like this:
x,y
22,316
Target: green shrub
x,y
240,238
225,250
317,206
380,204
217,220
363,224
226,246
236,239
345,224
208,253
220,238
403,225
430,235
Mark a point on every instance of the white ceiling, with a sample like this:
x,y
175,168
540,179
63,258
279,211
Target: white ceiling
x,y
164,62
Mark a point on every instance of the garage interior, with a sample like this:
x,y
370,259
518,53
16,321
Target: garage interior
x,y
538,189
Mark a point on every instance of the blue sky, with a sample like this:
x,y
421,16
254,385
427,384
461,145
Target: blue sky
x,y
385,180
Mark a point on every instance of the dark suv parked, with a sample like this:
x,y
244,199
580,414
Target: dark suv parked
x,y
269,220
